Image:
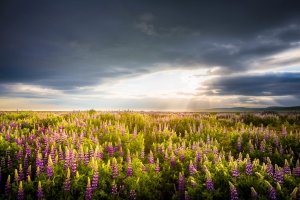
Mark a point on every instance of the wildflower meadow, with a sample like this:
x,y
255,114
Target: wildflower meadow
x,y
149,155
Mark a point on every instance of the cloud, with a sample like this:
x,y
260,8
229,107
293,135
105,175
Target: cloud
x,y
271,84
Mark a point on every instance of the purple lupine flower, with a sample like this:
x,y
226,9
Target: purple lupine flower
x,y
181,157
249,168
199,156
88,190
294,193
95,179
67,159
21,173
110,149
60,153
144,168
67,183
121,152
278,175
271,191
229,156
166,156
74,163
239,144
262,146
114,168
25,162
142,154
254,194
284,132
181,185
49,168
172,160
114,189
286,168
186,196
240,158
209,183
151,158
21,194
40,193
235,171
7,186
86,157
9,161
157,169
129,168
192,169
233,192
132,195
296,170
281,151
270,168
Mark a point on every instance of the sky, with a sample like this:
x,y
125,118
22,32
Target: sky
x,y
148,55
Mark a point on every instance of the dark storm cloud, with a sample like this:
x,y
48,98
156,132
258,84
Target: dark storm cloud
x,y
273,84
64,45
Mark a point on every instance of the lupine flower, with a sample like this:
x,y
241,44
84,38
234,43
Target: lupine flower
x,y
74,163
20,191
7,186
286,168
49,167
186,196
181,156
9,161
67,183
270,168
132,195
129,168
142,153
21,173
121,152
235,171
144,169
40,193
278,175
254,194
181,185
157,169
166,156
95,177
209,183
271,191
233,192
294,193
296,170
249,168
239,144
114,167
114,189
128,158
86,156
151,158
88,190
16,178
172,160
192,169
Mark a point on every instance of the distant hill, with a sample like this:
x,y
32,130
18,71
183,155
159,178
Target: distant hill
x,y
245,109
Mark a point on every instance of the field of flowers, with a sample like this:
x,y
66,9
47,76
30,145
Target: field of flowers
x,y
149,155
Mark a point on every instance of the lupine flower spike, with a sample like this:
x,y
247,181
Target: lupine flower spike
x,y
88,190
209,183
20,191
40,193
233,192
254,194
